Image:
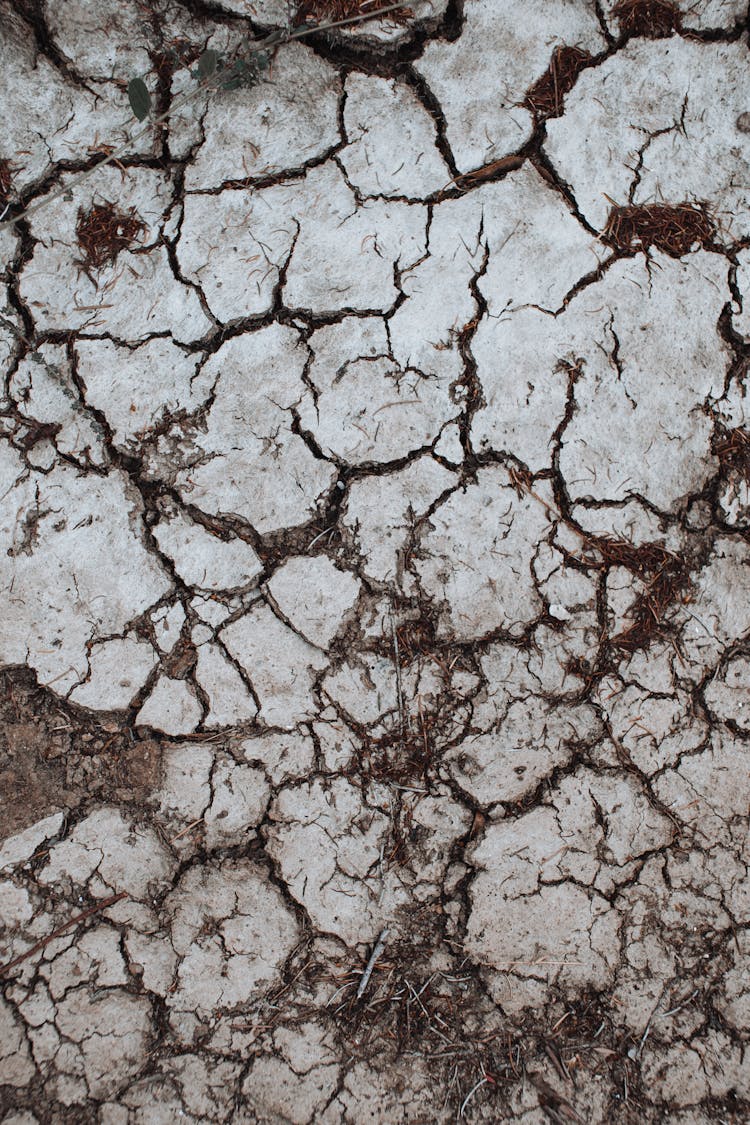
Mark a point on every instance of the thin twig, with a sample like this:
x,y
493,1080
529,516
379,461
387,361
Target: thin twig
x,y
379,947
635,1052
325,531
680,1006
557,1062
186,829
398,673
273,39
471,1094
106,902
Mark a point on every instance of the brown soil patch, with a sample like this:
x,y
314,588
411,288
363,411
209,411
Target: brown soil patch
x,y
34,743
54,757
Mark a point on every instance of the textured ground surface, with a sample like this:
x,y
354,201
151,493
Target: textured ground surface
x,y
374,554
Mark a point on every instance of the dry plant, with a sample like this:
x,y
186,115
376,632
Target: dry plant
x,y
103,232
674,228
653,19
545,98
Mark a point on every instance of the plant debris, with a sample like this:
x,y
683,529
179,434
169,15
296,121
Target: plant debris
x,y
328,11
545,98
416,638
673,228
104,231
665,576
652,19
732,447
401,759
38,946
6,180
489,171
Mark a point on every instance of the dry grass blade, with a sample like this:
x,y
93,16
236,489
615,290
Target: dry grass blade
x,y
378,949
477,1086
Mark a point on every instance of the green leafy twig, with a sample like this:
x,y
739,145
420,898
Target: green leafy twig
x,y
274,39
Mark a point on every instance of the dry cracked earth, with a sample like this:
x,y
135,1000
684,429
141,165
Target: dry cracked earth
x,y
374,558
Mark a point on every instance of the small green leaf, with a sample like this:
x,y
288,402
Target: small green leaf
x,y
207,63
139,97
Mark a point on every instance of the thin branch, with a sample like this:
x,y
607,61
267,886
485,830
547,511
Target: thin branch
x,y
397,658
470,1095
379,947
106,902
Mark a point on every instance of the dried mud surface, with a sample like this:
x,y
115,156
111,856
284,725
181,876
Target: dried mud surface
x,y
375,565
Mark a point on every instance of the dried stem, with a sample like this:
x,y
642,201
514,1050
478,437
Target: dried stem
x,y
106,902
379,947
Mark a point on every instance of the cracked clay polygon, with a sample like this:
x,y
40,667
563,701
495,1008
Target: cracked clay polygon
x,y
375,564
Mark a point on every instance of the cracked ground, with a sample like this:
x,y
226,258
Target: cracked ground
x,y
375,563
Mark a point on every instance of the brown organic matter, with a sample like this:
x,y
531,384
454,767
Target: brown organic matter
x,y
675,229
103,232
652,19
546,96
6,180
